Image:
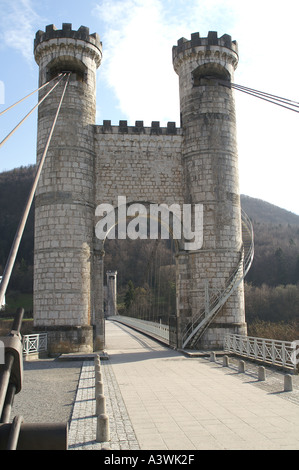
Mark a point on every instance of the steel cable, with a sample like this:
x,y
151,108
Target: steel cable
x,y
30,112
266,97
277,98
20,230
30,94
274,99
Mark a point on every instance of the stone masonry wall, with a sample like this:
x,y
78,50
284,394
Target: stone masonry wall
x,y
141,163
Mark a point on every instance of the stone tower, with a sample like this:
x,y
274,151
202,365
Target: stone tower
x,y
64,205
210,163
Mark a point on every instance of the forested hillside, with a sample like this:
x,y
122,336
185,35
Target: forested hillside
x,y
276,240
14,189
272,285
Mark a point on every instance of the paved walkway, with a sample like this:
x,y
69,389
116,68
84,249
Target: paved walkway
x,y
159,399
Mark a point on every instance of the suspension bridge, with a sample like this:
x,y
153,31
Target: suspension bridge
x,y
149,302
195,295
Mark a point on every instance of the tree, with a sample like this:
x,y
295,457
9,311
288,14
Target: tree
x,y
130,295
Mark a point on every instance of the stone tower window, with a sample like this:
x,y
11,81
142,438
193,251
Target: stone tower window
x,y
206,74
67,64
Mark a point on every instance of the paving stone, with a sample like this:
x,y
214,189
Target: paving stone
x,y
83,417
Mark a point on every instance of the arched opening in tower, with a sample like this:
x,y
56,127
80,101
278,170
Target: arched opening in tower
x,y
67,64
210,73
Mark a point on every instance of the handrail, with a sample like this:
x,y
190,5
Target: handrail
x,y
157,330
35,343
199,324
271,351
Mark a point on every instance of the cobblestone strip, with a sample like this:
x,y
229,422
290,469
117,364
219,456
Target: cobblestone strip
x,y
82,432
121,431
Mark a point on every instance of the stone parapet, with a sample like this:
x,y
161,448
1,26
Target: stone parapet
x,y
212,40
139,128
211,49
66,32
65,42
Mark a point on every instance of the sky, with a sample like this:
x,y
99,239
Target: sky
x,y
136,80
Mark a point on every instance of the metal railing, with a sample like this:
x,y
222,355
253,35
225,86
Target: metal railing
x,y
216,301
270,351
158,330
35,343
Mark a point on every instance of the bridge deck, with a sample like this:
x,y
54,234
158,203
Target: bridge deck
x,y
159,399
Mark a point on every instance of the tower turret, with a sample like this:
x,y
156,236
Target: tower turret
x,y
206,67
64,205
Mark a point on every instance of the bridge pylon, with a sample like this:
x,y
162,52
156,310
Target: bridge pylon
x,y
64,304
205,67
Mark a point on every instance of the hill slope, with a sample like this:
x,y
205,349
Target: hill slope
x,y
263,212
276,235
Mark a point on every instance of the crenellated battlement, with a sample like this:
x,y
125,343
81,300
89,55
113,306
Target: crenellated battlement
x,y
222,52
66,49
211,40
67,32
139,128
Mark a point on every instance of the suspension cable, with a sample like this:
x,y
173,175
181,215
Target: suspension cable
x,y
278,98
30,94
273,101
30,112
270,98
17,240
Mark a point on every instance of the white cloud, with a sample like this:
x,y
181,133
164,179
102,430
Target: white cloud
x,y
137,59
137,42
18,26
137,45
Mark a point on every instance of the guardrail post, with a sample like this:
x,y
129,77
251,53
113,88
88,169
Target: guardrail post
x,y
99,388
97,368
98,374
261,373
100,405
97,364
225,361
97,361
103,431
288,383
212,356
